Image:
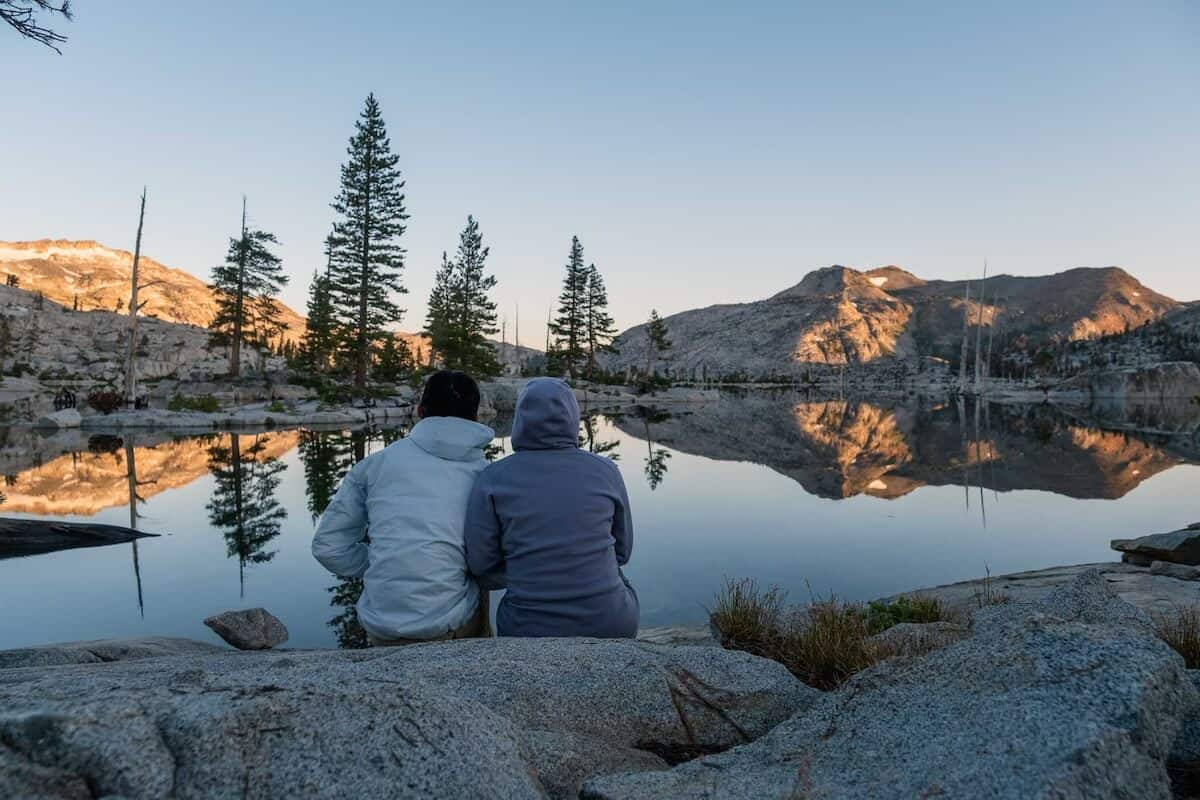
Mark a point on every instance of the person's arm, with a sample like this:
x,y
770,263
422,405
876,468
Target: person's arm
x,y
339,542
485,558
622,525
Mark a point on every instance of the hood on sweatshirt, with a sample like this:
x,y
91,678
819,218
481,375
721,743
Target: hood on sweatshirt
x,y
451,438
547,416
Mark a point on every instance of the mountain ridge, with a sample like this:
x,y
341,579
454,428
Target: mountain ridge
x,y
839,315
96,277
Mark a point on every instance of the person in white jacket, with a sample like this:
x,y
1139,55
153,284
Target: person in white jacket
x,y
397,523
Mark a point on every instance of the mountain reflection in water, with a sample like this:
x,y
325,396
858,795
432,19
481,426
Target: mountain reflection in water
x,y
700,480
842,448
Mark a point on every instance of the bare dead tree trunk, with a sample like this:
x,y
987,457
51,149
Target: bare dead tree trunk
x,y
987,363
131,364
132,480
979,333
235,349
962,366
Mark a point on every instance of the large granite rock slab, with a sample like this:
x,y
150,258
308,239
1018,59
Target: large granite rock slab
x,y
1178,547
316,740
471,718
1185,753
1137,585
249,629
102,651
1071,696
27,537
911,639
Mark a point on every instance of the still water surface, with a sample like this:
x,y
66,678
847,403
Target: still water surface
x,y
839,497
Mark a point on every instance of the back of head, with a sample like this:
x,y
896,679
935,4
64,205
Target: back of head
x,y
547,416
450,393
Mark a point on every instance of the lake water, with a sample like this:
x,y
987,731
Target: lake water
x,y
819,497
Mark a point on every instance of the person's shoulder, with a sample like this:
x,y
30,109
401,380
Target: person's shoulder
x,y
400,448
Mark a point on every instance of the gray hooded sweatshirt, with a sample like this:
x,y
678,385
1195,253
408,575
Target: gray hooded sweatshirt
x,y
552,522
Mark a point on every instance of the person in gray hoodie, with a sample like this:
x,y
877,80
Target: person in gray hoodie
x,y
397,522
552,524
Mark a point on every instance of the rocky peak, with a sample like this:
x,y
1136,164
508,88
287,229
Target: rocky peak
x,y
892,278
833,281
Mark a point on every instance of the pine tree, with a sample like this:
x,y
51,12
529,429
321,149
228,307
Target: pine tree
x,y
461,314
320,333
438,319
569,327
245,287
598,323
395,361
658,343
367,258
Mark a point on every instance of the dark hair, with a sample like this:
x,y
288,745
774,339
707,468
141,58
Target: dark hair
x,y
450,393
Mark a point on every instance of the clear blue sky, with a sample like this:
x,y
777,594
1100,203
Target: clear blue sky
x,y
701,155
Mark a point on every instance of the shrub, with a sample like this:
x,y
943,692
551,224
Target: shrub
x,y
204,402
105,401
917,609
1181,630
277,407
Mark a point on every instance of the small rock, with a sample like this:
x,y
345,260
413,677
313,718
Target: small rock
x,y
1184,572
66,418
1136,559
251,629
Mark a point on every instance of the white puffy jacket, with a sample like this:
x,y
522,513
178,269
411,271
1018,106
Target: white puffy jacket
x,y
411,497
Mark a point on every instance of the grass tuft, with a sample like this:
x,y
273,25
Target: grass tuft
x,y
822,644
746,617
988,595
1181,630
825,644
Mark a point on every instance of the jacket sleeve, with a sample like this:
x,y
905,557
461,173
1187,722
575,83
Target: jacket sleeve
x,y
622,525
340,540
485,558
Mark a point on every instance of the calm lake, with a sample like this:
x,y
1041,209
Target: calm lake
x,y
819,497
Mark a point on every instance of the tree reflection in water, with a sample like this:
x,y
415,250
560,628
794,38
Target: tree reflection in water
x,y
327,457
243,504
589,442
655,467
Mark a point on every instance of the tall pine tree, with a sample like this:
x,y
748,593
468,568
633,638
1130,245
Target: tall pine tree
x,y
461,314
320,333
569,326
245,287
598,324
656,333
367,258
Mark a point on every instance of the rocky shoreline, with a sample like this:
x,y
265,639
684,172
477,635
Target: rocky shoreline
x,y
1063,690
300,409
